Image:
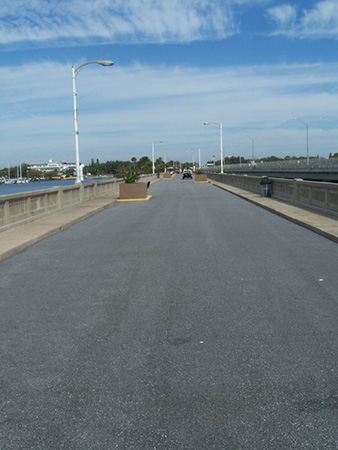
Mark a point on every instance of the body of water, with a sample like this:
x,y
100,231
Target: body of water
x,y
6,189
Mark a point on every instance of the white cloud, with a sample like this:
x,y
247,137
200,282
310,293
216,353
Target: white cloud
x,y
123,109
45,22
321,21
284,16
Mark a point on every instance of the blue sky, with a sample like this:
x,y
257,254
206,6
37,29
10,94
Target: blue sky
x,y
252,65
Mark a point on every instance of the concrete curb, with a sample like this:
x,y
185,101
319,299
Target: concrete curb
x,y
310,221
119,200
41,228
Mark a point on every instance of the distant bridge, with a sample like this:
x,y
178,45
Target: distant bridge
x,y
320,169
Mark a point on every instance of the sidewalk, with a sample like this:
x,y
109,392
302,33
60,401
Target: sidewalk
x,y
323,225
16,239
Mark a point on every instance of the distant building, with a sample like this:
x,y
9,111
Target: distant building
x,y
60,166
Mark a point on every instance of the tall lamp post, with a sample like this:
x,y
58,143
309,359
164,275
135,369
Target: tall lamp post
x,y
153,152
221,138
199,156
75,71
307,137
253,146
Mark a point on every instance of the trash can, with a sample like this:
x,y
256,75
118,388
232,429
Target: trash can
x,y
265,187
158,175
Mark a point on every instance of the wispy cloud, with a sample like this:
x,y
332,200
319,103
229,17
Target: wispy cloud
x,y
123,109
51,22
320,21
284,16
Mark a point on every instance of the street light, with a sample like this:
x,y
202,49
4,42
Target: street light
x,y
199,155
253,146
153,152
75,71
307,136
221,138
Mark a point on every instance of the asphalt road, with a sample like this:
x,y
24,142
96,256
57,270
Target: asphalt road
x,y
195,320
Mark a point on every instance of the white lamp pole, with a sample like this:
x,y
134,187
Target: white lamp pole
x,y
307,137
253,146
75,71
153,152
221,139
199,155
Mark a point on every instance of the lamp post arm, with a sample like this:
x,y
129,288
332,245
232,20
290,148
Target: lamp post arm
x,y
101,63
304,123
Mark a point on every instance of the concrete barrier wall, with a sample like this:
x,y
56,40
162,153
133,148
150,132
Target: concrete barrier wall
x,y
314,195
16,209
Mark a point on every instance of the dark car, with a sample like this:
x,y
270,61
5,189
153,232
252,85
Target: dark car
x,y
187,173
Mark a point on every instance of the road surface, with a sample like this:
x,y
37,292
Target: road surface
x,y
193,321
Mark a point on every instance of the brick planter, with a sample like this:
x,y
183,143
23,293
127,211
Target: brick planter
x,y
201,178
133,191
166,175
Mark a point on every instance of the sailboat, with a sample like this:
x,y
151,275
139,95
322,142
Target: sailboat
x,y
9,180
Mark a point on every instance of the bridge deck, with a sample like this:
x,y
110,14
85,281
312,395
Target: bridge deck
x,y
18,238
195,320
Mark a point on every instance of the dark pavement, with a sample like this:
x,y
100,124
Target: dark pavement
x,y
195,320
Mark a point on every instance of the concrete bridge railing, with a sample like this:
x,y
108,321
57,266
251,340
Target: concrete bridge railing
x,y
313,195
17,209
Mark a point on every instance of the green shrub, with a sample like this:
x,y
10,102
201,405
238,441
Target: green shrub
x,y
131,178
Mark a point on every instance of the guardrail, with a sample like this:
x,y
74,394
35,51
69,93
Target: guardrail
x,y
313,195
17,209
298,165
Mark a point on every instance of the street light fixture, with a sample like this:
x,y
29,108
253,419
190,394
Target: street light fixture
x,y
307,136
75,71
221,139
253,146
153,152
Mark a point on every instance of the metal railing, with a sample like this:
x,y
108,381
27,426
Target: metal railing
x,y
299,165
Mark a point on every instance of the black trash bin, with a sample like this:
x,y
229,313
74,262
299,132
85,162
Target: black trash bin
x,y
265,187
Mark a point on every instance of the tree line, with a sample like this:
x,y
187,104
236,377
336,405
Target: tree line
x,y
122,168
144,165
